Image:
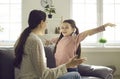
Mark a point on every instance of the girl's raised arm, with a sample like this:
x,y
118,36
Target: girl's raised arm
x,y
80,37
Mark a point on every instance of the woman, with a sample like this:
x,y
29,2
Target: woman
x,y
30,55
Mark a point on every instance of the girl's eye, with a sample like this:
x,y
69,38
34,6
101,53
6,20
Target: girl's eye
x,y
62,27
66,27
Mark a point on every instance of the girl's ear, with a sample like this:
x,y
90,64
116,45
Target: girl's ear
x,y
74,30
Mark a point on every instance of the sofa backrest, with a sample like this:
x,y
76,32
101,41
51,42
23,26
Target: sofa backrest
x,y
50,56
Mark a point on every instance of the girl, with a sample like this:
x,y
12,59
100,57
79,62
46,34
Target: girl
x,y
29,53
68,43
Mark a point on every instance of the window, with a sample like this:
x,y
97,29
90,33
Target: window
x,y
91,13
10,20
111,13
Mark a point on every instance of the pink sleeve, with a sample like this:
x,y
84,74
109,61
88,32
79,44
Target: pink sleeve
x,y
54,40
80,37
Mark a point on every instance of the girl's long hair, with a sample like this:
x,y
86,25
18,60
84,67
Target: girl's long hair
x,y
35,17
73,25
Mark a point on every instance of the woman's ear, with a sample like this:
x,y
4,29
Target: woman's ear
x,y
42,22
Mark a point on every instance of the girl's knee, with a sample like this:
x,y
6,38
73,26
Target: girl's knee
x,y
76,75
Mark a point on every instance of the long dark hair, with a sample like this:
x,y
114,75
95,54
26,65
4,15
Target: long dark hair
x,y
35,17
73,25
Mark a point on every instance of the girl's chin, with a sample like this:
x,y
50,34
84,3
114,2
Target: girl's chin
x,y
65,35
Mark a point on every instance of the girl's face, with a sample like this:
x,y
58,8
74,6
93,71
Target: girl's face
x,y
66,29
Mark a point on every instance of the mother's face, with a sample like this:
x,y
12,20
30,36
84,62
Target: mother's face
x,y
43,24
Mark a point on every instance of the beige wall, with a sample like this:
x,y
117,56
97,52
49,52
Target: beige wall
x,y
95,56
62,9
27,6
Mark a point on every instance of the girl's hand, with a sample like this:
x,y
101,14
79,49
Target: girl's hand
x,y
109,24
75,61
47,42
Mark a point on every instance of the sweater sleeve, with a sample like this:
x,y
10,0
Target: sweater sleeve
x,y
39,63
54,73
80,37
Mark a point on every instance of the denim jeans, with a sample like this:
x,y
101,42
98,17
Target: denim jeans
x,y
72,69
70,75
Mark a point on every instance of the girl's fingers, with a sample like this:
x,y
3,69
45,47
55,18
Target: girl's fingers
x,y
75,57
112,25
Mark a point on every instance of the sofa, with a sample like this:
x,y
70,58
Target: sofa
x,y
7,70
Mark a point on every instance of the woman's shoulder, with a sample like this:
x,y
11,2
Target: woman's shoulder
x,y
33,38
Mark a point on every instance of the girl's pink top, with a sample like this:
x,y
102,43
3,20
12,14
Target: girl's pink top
x,y
67,46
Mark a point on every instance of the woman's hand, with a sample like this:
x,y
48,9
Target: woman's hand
x,y
75,61
109,24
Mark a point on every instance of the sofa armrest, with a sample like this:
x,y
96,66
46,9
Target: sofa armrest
x,y
97,71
